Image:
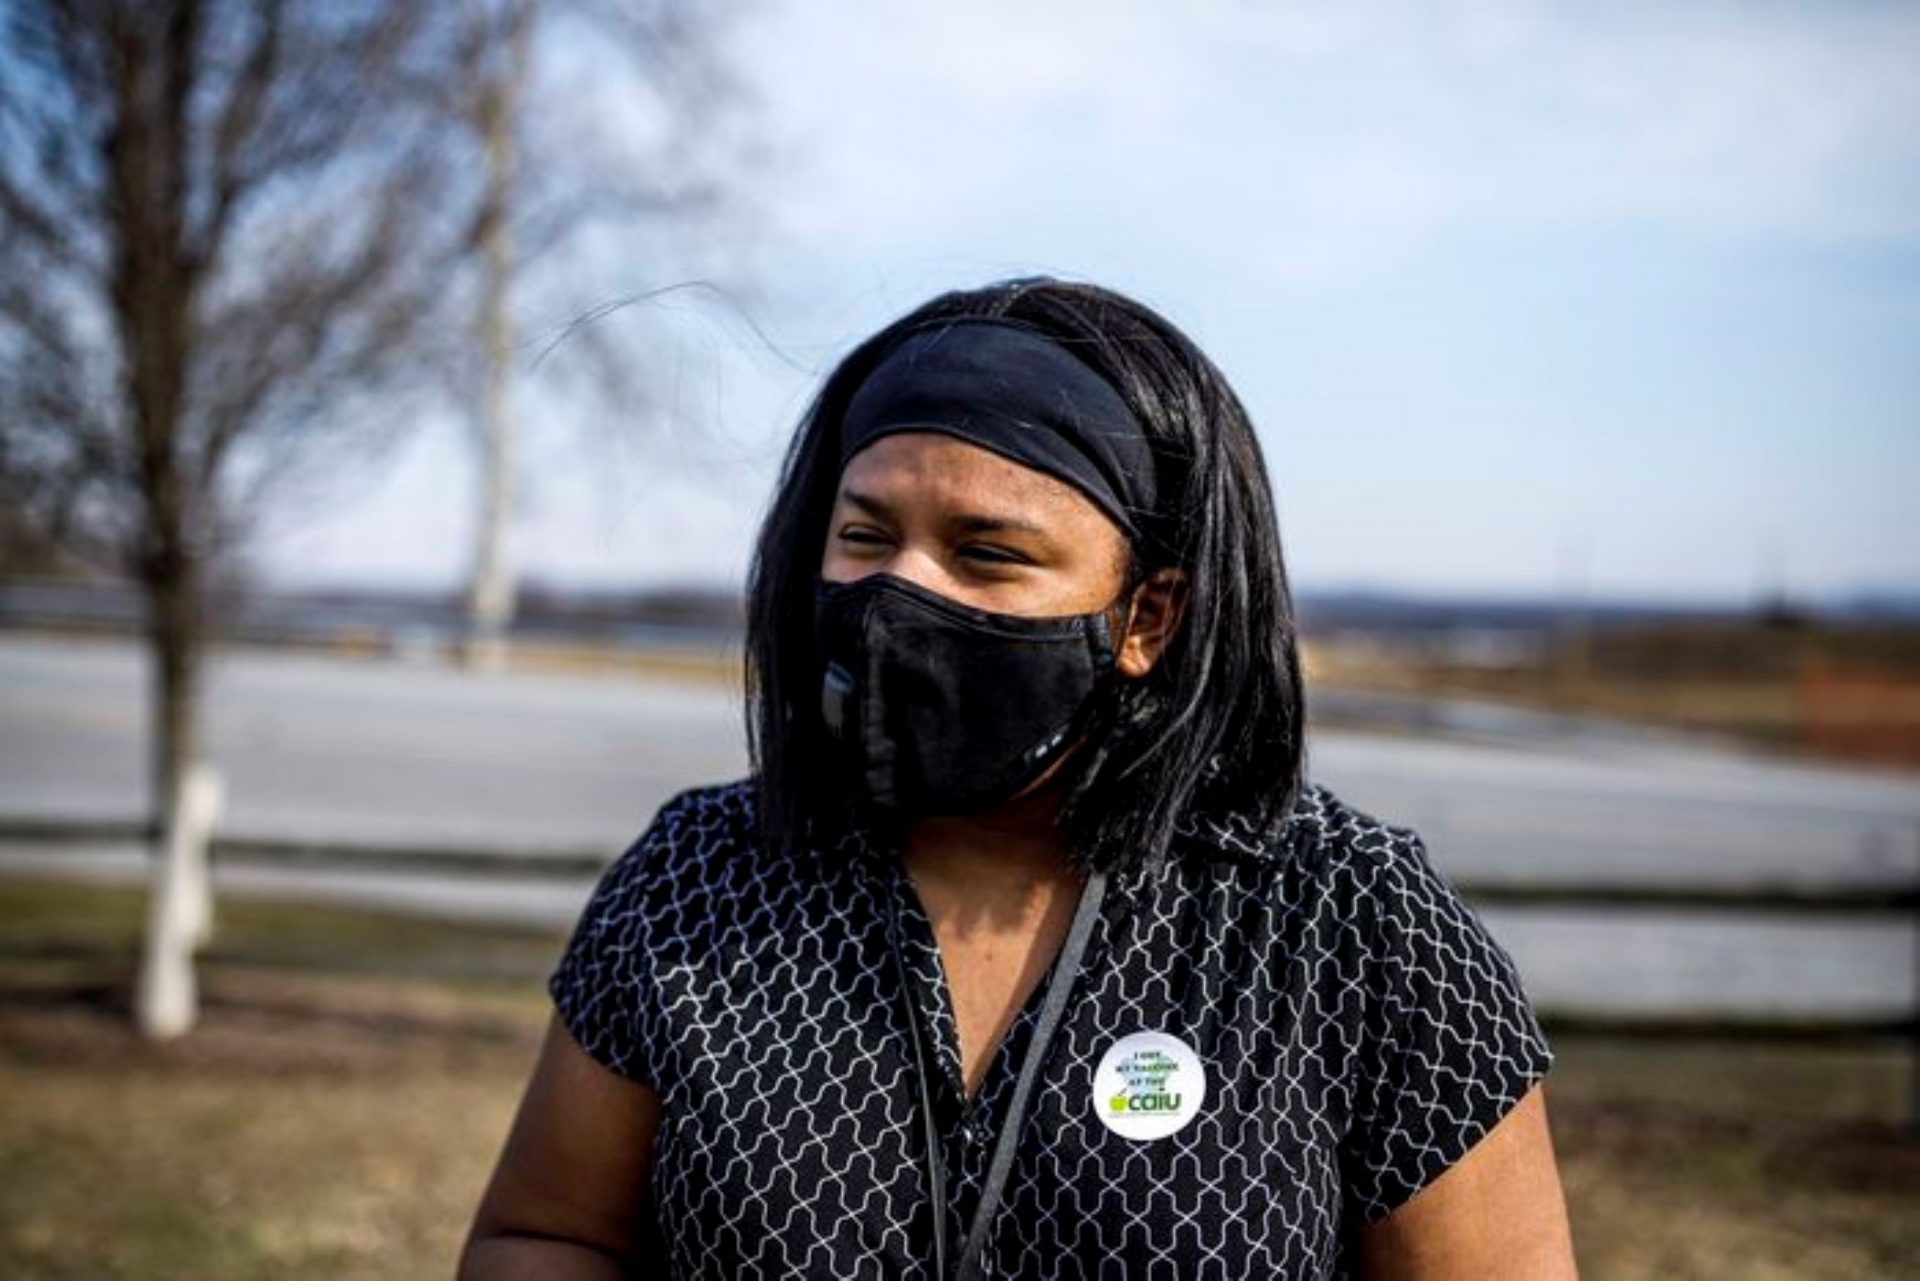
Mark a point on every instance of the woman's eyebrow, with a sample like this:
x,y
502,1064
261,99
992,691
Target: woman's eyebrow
x,y
867,503
974,523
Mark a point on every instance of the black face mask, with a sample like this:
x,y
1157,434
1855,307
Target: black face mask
x,y
938,708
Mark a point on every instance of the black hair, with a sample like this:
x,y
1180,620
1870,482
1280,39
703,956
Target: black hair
x,y
1219,719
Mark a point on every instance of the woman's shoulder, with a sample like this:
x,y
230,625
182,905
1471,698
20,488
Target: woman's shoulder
x,y
653,903
708,814
1405,920
1341,861
1321,834
1326,827
693,836
1377,866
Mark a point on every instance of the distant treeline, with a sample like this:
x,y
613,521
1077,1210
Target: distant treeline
x,y
1623,636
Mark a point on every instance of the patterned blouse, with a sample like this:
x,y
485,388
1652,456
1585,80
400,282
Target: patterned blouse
x,y
1266,1046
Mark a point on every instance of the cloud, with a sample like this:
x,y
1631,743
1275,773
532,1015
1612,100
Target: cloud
x,y
1332,135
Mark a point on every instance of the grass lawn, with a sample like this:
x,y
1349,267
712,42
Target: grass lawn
x,y
340,1106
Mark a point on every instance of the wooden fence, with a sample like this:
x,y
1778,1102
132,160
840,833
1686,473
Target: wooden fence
x,y
580,865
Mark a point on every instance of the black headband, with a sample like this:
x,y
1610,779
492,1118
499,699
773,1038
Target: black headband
x,y
1006,387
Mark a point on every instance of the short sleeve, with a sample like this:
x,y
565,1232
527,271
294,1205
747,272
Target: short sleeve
x,y
1458,1042
602,986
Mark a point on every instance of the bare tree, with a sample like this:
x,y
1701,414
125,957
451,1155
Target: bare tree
x,y
221,227
560,171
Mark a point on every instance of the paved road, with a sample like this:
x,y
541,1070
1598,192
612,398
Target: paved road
x,y
326,748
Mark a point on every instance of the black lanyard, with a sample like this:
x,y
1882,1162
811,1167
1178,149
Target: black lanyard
x,y
1066,969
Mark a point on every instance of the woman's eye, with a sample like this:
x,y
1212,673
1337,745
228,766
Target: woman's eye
x,y
864,537
993,555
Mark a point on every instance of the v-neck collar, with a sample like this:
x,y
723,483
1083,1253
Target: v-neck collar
x,y
932,995
932,1000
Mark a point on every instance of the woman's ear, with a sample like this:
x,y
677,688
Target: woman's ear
x,y
1152,616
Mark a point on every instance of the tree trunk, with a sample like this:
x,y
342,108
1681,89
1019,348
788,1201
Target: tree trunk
x,y
173,639
180,915
491,593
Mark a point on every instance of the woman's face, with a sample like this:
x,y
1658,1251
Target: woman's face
x,y
985,531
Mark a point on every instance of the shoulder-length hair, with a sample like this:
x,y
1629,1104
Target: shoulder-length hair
x,y
1218,721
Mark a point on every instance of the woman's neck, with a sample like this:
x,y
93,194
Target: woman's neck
x,y
1005,859
999,890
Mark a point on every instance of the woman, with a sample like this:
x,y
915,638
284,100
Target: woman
x,y
1027,950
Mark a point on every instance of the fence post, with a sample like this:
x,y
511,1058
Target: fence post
x,y
180,908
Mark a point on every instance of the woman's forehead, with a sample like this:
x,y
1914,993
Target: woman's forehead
x,y
930,468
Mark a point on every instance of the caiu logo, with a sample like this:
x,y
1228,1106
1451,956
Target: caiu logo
x,y
1145,1074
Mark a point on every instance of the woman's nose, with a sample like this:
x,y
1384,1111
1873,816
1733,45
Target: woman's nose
x,y
915,565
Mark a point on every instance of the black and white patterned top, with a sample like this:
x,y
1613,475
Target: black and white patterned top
x,y
1358,1028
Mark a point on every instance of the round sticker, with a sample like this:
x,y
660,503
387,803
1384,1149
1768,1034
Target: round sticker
x,y
1148,1085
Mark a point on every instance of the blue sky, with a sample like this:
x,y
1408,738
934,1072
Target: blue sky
x,y
1523,298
